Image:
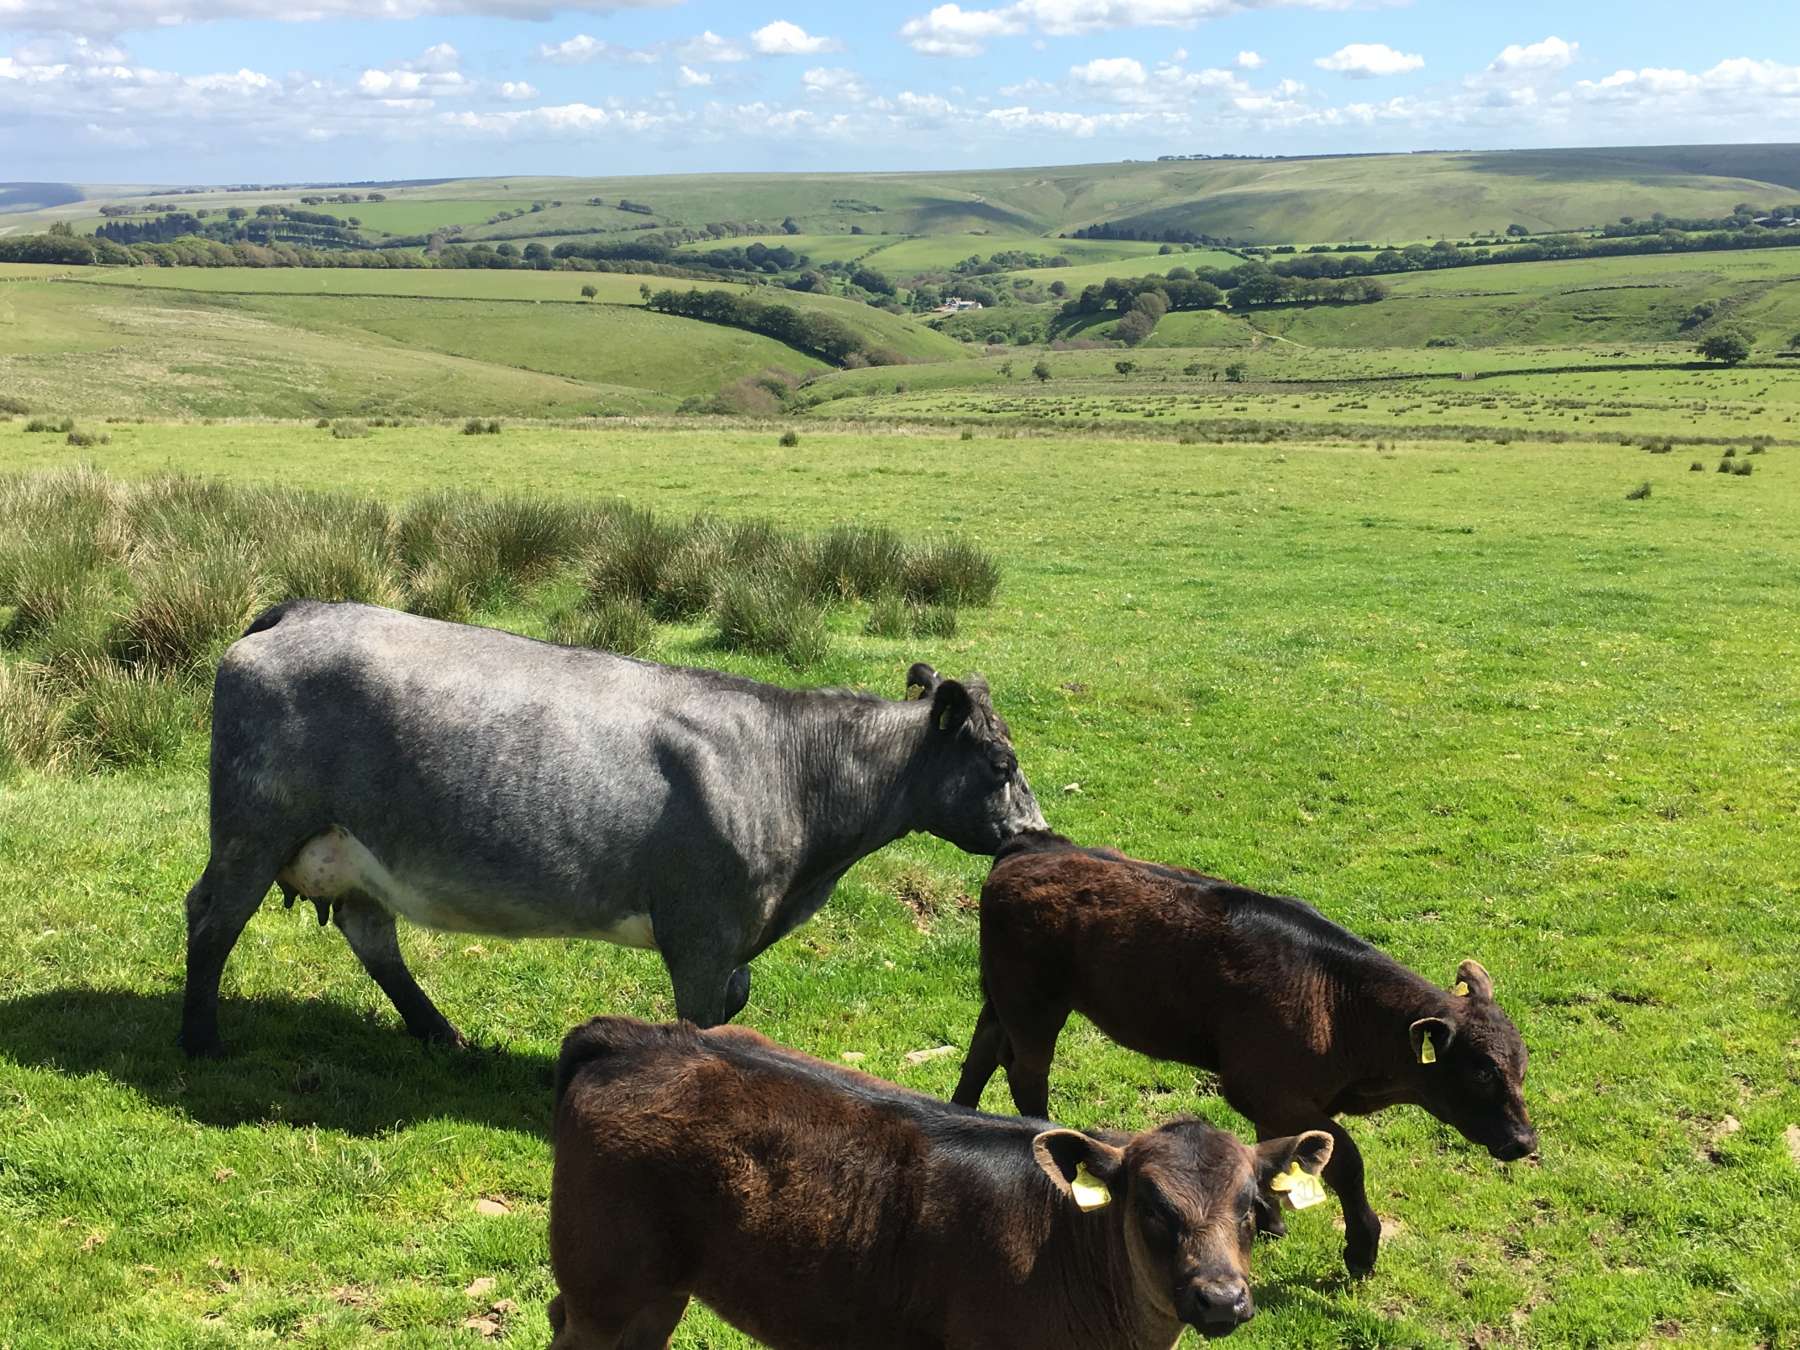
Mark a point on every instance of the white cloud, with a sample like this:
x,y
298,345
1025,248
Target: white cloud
x,y
830,82
709,46
1111,72
782,38
1368,60
517,91
440,57
584,47
1552,54
1251,61
689,78
117,16
565,119
951,30
431,73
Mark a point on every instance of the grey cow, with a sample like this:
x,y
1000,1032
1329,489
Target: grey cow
x,y
383,764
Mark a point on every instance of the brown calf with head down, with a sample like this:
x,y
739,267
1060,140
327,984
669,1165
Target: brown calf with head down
x,y
816,1208
1301,1020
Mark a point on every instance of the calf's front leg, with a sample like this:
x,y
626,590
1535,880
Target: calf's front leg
x,y
1344,1174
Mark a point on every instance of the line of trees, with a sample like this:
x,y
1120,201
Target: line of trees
x,y
809,331
1444,253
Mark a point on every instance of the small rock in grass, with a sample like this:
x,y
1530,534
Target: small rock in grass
x,y
936,1052
492,1207
476,1288
853,1056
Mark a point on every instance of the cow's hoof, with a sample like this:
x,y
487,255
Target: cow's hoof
x,y
201,1047
1360,1267
446,1037
1272,1227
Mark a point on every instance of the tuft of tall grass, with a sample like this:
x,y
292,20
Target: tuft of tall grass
x,y
627,560
950,572
622,626
772,617
889,617
125,717
1638,493
335,565
187,606
859,562
31,724
349,429
937,621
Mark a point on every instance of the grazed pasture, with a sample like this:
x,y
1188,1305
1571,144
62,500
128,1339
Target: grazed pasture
x,y
1467,698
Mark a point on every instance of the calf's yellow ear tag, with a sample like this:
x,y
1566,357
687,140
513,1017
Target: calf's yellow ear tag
x,y
1089,1191
1298,1188
1461,989
1427,1051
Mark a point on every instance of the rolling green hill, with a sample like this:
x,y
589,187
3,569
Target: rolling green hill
x,y
1373,197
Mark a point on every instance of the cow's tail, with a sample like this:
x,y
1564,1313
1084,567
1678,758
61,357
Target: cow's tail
x,y
271,616
596,1040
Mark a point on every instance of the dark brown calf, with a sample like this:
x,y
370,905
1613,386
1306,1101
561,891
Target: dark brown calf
x,y
1301,1021
816,1208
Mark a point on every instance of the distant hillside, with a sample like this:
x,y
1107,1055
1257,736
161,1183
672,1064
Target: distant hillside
x,y
37,196
1379,198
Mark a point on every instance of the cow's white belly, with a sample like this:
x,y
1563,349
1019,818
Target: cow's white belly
x,y
335,865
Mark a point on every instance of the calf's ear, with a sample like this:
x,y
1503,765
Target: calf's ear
x,y
950,706
1431,1036
921,681
1288,1169
1081,1168
1309,1151
1472,980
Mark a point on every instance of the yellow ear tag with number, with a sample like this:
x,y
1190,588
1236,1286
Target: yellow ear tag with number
x,y
1298,1188
1461,989
1427,1051
1089,1191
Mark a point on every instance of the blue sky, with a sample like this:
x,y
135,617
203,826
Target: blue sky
x,y
166,91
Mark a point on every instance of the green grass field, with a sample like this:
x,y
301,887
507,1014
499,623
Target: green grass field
x,y
307,342
1469,700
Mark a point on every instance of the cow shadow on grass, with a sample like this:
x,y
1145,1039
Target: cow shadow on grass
x,y
288,1061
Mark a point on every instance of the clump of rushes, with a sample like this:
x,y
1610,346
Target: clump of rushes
x,y
622,626
772,618
950,572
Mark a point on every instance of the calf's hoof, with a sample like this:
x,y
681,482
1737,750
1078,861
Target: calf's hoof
x,y
445,1036
1270,1223
1360,1264
201,1045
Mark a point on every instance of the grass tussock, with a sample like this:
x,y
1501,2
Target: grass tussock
x,y
621,626
117,598
772,618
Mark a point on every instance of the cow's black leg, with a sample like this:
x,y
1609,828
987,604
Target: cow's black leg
x,y
983,1057
1344,1174
369,929
219,905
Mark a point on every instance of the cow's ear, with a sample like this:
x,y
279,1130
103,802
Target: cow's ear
x,y
950,706
1081,1168
1431,1037
1472,981
922,681
1281,1162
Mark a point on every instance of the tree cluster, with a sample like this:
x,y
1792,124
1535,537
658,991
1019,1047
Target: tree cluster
x,y
818,334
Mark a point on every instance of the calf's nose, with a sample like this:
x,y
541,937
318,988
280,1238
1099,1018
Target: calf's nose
x,y
1521,1145
1218,1305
